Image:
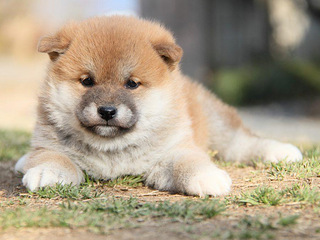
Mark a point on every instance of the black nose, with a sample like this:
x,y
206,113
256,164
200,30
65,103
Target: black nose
x,y
107,112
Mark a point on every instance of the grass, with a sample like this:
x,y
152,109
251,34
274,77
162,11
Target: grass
x,y
88,190
308,167
102,214
126,181
297,193
13,144
302,193
68,191
261,195
257,227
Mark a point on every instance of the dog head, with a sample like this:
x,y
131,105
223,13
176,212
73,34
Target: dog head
x,y
108,74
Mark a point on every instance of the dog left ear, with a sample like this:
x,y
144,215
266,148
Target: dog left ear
x,y
53,45
170,53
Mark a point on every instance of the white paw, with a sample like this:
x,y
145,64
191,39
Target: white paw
x,y
45,175
209,181
276,151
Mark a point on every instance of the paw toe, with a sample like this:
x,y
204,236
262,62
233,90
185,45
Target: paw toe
x,y
214,182
42,176
32,179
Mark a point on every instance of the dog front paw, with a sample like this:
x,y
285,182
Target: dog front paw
x,y
209,181
44,175
276,151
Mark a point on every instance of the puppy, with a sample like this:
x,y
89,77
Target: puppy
x,y
115,103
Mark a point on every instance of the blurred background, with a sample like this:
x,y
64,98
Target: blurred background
x,y
262,56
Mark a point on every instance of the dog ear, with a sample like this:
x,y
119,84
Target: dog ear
x,y
170,53
53,45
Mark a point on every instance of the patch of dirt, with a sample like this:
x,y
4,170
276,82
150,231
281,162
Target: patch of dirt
x,y
10,184
244,179
49,233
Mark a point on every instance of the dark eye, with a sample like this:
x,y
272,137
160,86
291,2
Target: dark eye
x,y
131,84
87,82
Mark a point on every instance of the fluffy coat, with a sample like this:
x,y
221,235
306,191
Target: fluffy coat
x,y
162,129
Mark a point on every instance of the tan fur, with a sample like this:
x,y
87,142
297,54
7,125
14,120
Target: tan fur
x,y
42,156
162,129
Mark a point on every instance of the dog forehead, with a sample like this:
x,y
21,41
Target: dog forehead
x,y
104,48
111,47
111,51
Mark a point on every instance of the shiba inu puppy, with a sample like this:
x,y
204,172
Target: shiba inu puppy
x,y
115,103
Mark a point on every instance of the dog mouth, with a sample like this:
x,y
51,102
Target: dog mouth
x,y
107,130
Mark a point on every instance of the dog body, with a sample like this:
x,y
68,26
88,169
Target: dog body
x,y
115,103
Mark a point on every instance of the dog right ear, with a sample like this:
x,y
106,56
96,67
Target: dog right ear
x,y
53,45
170,53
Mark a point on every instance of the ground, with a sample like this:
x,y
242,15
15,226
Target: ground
x,y
279,201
